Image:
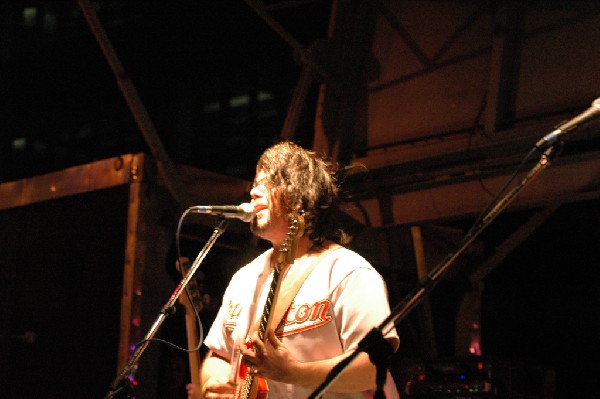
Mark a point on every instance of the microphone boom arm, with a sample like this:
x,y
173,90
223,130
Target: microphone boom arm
x,y
166,310
427,284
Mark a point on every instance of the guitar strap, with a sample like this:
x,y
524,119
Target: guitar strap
x,y
291,284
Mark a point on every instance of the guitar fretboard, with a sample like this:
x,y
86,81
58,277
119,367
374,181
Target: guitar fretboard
x,y
286,257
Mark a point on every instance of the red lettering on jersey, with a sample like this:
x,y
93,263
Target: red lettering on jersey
x,y
315,313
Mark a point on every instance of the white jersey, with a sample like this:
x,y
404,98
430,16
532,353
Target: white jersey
x,y
342,299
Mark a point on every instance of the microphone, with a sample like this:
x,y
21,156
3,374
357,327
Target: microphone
x,y
562,129
244,212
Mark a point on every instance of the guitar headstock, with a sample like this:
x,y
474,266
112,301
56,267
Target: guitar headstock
x,y
290,244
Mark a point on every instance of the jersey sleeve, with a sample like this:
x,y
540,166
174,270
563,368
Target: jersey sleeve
x,y
361,304
217,338
232,318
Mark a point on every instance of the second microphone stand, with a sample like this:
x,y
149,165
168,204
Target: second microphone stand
x,y
374,343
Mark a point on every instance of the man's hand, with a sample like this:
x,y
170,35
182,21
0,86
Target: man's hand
x,y
194,391
270,359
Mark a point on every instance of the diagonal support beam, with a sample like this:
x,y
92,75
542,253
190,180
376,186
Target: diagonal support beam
x,y
508,246
403,33
504,65
165,166
297,104
310,68
470,21
304,55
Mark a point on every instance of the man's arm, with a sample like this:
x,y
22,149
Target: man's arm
x,y
214,377
358,376
273,361
214,366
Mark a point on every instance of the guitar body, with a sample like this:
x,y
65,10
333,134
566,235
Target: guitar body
x,y
251,387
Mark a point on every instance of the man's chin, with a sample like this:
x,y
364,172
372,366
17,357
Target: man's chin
x,y
257,228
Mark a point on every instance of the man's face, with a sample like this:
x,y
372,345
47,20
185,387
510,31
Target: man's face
x,y
270,220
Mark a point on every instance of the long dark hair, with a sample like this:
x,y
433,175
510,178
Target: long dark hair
x,y
307,183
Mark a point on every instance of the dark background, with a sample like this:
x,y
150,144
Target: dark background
x,y
217,82
215,79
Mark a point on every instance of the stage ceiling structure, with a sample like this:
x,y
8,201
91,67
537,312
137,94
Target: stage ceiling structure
x,y
439,101
435,103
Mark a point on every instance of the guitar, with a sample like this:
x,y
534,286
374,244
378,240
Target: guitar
x,y
254,387
191,324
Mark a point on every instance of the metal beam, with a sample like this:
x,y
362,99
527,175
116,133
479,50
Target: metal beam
x,y
450,198
513,241
403,33
165,166
505,63
304,55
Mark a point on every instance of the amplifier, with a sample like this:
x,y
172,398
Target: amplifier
x,y
453,378
476,377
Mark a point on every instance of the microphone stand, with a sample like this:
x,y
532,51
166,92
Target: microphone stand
x,y
374,343
121,382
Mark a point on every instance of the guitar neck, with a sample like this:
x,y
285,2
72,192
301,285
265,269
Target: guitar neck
x,y
266,320
191,324
256,387
191,330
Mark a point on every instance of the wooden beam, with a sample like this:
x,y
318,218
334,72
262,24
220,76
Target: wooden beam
x,y
71,181
424,313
